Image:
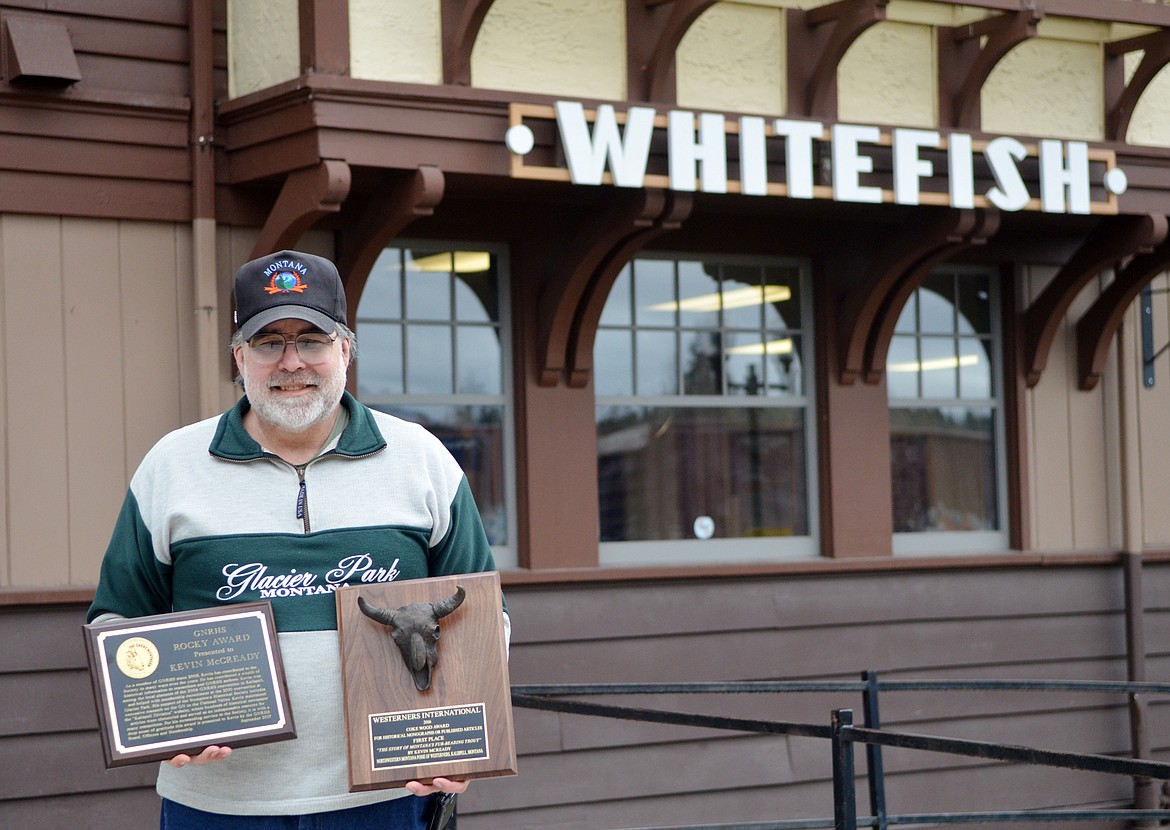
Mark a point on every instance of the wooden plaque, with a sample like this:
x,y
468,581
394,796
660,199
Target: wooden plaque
x,y
177,683
461,726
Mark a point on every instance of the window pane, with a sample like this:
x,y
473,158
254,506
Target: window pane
x,y
698,293
743,297
744,363
944,475
657,363
975,368
428,285
617,305
479,360
673,473
613,363
782,298
702,372
974,304
429,360
476,295
655,302
379,372
474,435
784,370
936,304
902,367
382,294
939,368
908,319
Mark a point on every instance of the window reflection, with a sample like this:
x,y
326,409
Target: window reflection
x,y
677,333
428,325
944,471
661,467
941,381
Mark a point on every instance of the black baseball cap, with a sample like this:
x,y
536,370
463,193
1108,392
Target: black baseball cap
x,y
288,284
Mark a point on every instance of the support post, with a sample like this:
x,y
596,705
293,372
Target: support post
x,y
844,788
873,752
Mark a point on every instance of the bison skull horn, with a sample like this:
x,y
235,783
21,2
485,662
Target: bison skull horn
x,y
415,630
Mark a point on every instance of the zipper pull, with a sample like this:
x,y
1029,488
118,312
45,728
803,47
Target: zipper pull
x,y
301,493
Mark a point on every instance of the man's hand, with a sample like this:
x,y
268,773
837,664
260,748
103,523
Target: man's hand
x,y
438,785
207,756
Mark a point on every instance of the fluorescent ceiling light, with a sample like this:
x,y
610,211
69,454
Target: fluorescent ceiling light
x,y
770,347
936,363
738,298
466,262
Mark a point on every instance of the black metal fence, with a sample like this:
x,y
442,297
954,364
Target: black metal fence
x,y
842,734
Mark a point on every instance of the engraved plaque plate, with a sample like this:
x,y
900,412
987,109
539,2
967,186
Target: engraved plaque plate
x,y
461,726
177,683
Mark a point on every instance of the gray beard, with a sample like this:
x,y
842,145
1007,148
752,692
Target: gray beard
x,y
300,414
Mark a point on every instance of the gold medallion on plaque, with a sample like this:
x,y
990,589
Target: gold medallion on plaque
x,y
137,657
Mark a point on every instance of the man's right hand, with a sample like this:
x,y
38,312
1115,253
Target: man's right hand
x,y
207,756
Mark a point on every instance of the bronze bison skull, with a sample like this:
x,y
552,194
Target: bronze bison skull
x,y
415,630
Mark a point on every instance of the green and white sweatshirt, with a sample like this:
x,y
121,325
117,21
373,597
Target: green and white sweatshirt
x,y
211,519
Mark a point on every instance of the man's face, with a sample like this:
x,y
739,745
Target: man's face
x,y
293,394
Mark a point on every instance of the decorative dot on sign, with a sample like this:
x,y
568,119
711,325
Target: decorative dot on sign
x,y
1116,182
520,139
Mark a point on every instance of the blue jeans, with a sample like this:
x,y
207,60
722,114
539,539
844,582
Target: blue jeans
x,y
408,813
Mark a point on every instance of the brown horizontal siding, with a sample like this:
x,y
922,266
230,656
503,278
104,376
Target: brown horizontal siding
x,y
587,772
116,143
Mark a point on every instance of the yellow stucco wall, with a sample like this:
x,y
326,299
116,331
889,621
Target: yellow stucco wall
x,y
553,47
747,78
1047,87
888,77
395,40
263,44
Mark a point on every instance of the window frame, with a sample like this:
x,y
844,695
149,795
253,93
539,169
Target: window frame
x,y
507,555
963,542
737,550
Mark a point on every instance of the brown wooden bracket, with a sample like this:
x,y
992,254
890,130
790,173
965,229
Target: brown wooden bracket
x,y
817,41
966,61
307,195
584,332
460,22
907,258
654,29
1121,98
592,260
877,349
1117,239
395,204
1096,329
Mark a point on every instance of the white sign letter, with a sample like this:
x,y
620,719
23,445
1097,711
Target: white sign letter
x,y
909,168
849,164
753,156
586,156
1010,192
798,154
709,151
961,170
1055,176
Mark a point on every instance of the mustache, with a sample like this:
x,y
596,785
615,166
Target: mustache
x,y
302,377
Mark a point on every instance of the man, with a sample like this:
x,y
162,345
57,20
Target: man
x,y
298,477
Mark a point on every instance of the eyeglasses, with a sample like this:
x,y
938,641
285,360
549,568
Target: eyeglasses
x,y
311,346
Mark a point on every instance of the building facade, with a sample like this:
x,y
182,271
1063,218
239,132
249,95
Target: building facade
x,y
779,339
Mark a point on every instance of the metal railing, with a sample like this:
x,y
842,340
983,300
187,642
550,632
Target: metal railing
x,y
842,734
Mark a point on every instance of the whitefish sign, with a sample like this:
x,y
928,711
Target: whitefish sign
x,y
755,156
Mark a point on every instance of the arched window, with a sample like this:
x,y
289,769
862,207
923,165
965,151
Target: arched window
x,y
946,416
703,412
433,348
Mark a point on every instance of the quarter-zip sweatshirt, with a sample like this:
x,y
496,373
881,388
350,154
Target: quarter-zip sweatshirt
x,y
210,518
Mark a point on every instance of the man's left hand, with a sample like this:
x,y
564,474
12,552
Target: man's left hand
x,y
438,785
